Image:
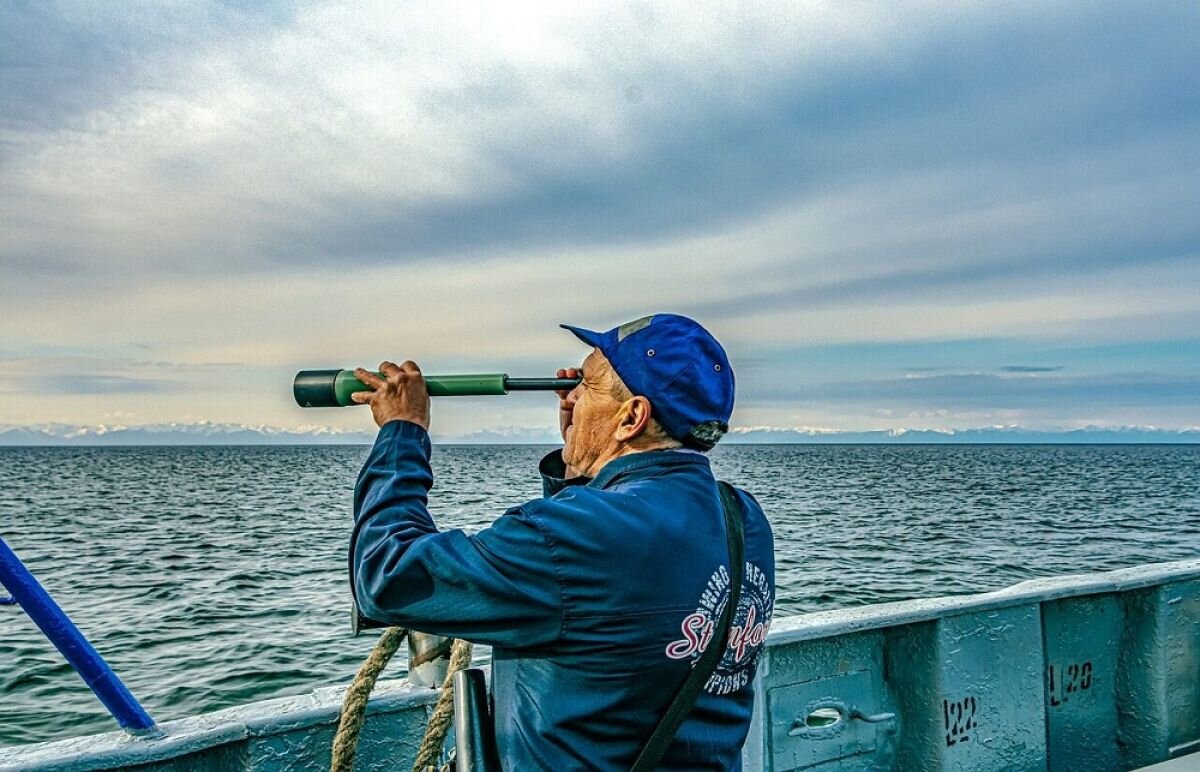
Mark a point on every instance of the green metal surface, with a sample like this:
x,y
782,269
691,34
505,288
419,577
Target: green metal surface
x,y
1081,637
847,672
490,384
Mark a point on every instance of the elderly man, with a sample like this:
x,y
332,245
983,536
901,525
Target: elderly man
x,y
599,598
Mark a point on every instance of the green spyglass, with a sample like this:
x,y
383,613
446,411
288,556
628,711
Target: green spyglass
x,y
332,388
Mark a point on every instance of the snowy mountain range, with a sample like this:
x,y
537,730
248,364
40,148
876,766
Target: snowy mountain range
x,y
203,433
984,435
206,433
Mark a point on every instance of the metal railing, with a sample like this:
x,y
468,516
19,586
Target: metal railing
x,y
33,599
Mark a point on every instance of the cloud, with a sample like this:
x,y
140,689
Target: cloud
x,y
1029,369
105,384
276,186
60,64
275,141
1013,391
75,375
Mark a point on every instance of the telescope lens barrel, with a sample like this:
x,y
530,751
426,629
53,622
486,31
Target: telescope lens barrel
x,y
314,388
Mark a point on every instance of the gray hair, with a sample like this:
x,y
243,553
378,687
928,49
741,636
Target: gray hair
x,y
654,430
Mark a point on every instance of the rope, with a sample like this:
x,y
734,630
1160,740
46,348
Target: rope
x,y
354,706
439,722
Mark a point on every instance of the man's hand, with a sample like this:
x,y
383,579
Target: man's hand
x,y
402,397
566,410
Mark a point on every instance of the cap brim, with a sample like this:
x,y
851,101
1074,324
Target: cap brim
x,y
590,337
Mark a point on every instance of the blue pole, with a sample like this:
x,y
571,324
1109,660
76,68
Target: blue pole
x,y
62,632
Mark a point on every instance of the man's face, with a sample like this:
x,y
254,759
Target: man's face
x,y
594,418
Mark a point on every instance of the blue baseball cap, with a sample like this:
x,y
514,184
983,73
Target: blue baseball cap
x,y
679,366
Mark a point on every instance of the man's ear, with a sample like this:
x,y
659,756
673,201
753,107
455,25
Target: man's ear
x,y
634,418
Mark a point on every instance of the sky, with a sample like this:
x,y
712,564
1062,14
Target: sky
x,y
893,215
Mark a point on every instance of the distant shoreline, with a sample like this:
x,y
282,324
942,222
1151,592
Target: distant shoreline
x,y
752,444
230,435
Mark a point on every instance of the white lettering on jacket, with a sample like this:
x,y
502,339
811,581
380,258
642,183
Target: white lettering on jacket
x,y
746,637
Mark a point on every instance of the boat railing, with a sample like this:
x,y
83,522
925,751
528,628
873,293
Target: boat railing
x,y
29,594
1093,672
1096,672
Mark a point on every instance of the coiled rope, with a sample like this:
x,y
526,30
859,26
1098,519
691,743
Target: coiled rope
x,y
354,706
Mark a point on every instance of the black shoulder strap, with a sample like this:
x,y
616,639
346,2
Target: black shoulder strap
x,y
685,699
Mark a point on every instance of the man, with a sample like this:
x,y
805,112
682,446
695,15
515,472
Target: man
x,y
598,598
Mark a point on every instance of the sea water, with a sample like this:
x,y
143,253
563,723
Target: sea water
x,y
210,577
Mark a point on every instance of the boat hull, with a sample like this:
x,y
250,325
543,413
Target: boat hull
x,y
1095,672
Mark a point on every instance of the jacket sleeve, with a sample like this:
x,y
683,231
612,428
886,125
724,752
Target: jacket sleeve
x,y
498,587
554,474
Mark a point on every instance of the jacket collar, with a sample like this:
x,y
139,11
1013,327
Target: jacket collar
x,y
647,459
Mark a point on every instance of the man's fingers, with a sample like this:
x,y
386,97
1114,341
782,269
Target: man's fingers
x,y
565,372
391,369
361,397
368,377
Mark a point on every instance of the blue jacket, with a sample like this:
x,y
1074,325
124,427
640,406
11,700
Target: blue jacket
x,y
596,600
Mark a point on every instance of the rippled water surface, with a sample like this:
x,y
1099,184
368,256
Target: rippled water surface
x,y
215,576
